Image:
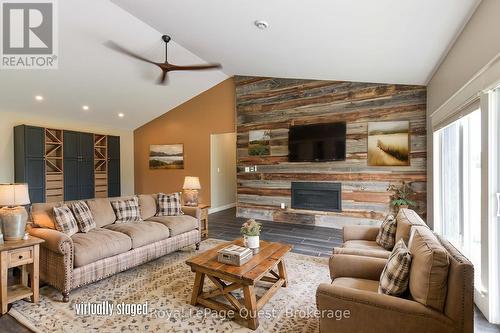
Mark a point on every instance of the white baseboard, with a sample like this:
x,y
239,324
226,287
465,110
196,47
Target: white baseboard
x,y
482,302
220,208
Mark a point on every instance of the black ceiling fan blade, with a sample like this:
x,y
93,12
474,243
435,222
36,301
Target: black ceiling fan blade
x,y
193,67
163,80
112,45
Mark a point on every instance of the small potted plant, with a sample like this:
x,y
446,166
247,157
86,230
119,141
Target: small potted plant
x,y
402,195
251,232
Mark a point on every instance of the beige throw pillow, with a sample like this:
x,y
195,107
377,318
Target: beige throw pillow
x,y
429,269
65,221
395,276
387,233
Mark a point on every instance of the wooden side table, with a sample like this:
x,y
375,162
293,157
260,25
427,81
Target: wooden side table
x,y
204,220
24,253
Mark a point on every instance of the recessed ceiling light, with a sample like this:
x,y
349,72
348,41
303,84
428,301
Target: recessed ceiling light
x,y
85,107
262,25
39,97
121,115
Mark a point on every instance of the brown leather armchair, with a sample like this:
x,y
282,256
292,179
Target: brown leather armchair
x,y
354,293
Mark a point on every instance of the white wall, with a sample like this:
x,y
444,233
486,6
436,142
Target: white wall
x,y
222,170
472,54
10,119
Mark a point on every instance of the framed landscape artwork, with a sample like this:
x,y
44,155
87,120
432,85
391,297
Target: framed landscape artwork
x,y
166,156
258,142
389,143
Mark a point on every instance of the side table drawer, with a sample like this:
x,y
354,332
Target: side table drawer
x,y
204,214
20,257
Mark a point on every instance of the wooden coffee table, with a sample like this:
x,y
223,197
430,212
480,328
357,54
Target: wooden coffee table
x,y
229,278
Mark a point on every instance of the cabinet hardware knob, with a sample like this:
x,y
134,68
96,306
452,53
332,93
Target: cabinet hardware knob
x,y
20,257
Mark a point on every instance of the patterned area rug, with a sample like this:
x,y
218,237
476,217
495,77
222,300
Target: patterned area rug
x,y
166,284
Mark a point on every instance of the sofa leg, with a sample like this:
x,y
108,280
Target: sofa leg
x,y
65,297
197,246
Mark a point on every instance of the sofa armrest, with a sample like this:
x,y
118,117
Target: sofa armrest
x,y
192,211
370,311
343,265
360,232
54,240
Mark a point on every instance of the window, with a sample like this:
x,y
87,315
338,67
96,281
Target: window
x,y
459,186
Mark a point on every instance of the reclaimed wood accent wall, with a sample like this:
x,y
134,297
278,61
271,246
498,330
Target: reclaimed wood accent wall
x,y
275,104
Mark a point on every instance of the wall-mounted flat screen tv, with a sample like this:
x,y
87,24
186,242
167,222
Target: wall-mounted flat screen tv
x,y
317,142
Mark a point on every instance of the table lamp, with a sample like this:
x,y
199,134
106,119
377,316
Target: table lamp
x,y
191,187
13,216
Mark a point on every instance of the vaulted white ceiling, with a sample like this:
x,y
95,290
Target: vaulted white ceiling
x,y
108,82
357,40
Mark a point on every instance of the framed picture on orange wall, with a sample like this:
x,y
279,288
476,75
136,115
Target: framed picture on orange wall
x,y
166,156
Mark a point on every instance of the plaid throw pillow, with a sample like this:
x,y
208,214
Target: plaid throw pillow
x,y
83,216
169,204
387,233
127,210
395,276
65,221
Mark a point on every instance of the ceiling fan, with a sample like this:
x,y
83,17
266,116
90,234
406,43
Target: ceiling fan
x,y
164,66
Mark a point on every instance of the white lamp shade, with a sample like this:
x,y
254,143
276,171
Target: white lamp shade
x,y
14,194
191,183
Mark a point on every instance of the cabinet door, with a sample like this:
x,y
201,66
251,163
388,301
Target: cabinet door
x,y
35,141
71,145
86,145
71,161
86,166
29,146
35,177
71,183
114,185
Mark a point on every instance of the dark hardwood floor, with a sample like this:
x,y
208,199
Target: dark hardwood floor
x,y
309,240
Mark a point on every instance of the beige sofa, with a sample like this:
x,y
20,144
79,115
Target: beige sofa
x,y
440,296
360,240
67,263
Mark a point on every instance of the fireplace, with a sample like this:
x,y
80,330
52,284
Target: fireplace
x,y
322,196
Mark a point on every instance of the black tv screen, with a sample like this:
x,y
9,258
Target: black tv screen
x,y
317,142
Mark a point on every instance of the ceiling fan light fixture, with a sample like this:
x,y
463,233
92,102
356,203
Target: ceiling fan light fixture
x,y
262,25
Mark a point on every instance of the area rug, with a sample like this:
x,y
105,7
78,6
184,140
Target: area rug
x,y
165,285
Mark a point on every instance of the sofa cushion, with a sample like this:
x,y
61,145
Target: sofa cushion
x,y
406,218
98,244
147,205
43,214
363,244
379,253
141,233
176,224
356,283
429,268
101,211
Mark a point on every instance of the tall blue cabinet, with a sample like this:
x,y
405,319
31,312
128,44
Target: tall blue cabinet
x,y
64,165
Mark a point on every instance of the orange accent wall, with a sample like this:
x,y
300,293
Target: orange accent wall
x,y
191,123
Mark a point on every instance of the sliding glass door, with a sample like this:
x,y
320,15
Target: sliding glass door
x,y
459,186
